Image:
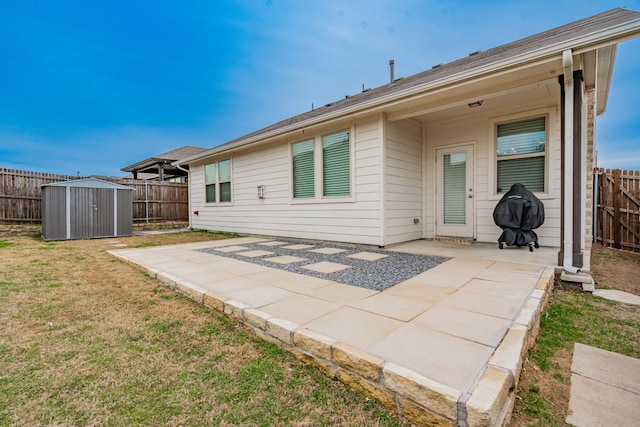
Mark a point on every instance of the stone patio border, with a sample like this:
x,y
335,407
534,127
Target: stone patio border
x,y
420,400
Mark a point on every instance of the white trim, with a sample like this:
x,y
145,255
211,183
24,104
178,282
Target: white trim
x,y
423,134
318,194
420,111
550,123
382,170
217,182
471,165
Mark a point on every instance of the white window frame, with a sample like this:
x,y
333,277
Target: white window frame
x,y
318,170
217,183
549,153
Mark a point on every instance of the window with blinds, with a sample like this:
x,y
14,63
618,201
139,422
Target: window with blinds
x,y
332,164
303,169
217,178
336,173
210,182
520,153
224,180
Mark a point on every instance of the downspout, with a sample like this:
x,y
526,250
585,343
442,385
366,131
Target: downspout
x,y
177,165
567,200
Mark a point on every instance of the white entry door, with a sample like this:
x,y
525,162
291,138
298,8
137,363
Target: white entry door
x,y
455,214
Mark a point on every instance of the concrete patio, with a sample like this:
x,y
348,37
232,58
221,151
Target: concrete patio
x,y
442,348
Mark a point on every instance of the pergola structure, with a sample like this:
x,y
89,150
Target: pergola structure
x,y
159,167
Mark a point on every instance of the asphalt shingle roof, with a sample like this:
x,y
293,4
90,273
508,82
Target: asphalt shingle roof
x,y
528,45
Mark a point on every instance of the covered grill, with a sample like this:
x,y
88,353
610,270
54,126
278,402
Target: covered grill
x,y
518,213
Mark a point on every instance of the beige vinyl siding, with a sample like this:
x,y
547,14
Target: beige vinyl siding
x,y
278,214
476,129
403,174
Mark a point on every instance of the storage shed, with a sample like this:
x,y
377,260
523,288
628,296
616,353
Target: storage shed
x,y
86,208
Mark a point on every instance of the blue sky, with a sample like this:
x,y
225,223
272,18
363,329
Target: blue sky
x,y
94,86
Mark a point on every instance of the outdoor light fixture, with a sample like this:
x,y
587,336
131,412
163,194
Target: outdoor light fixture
x,y
475,104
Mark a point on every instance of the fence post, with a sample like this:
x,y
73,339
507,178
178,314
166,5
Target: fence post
x,y
146,200
616,209
595,206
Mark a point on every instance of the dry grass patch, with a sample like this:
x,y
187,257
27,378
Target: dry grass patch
x,y
88,340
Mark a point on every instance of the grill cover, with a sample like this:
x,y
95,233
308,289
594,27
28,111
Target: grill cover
x,y
518,213
519,209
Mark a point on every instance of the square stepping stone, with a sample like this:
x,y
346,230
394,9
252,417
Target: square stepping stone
x,y
326,267
605,388
232,248
272,243
285,259
255,254
298,247
367,256
328,251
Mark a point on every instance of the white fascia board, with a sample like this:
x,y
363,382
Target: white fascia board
x,y
579,45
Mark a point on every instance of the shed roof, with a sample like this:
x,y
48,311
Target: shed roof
x,y
88,183
589,33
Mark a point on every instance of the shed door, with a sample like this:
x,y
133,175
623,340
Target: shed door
x,y
455,192
91,212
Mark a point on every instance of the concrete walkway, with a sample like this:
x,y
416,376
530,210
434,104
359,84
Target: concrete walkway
x,y
605,389
605,386
442,348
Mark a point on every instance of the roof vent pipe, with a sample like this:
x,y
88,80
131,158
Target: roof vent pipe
x,y
391,63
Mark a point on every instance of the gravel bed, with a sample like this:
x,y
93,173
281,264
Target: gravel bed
x,y
377,275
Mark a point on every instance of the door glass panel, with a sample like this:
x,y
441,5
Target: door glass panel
x,y
455,184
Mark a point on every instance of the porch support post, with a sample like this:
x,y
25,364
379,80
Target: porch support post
x,y
563,143
578,174
571,230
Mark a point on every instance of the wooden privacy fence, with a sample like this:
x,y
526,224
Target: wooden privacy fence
x,y
158,200
617,213
20,197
